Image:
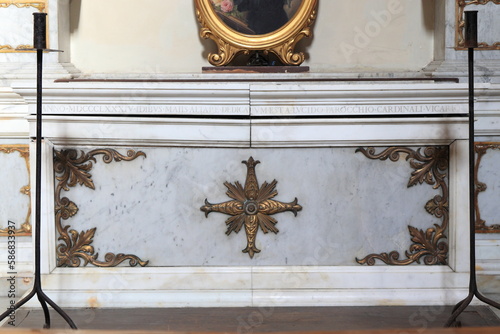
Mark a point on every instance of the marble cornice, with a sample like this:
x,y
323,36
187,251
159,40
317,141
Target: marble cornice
x,y
202,99
206,132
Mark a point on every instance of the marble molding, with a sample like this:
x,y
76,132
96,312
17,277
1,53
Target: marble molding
x,y
160,197
216,98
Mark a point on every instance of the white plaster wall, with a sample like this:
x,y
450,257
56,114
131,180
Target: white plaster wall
x,y
161,36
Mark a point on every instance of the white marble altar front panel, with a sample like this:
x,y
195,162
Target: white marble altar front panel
x,y
352,206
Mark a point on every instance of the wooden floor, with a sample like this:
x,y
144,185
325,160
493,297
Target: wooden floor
x,y
254,320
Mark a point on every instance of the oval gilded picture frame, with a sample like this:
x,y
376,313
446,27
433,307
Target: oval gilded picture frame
x,y
231,42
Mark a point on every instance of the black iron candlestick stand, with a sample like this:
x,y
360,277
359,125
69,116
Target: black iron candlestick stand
x,y
40,45
471,43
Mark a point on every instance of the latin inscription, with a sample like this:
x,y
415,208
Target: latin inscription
x,y
255,111
145,110
361,109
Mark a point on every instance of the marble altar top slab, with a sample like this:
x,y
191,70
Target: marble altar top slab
x,y
239,98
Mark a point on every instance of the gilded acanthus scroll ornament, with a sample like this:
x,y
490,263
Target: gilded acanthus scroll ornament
x,y
429,168
72,169
480,224
251,206
23,151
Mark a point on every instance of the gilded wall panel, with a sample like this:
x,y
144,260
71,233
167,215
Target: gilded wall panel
x,y
15,189
16,23
488,23
487,190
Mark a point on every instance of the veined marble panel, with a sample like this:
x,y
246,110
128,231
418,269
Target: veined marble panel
x,y
15,17
488,25
15,188
488,184
150,207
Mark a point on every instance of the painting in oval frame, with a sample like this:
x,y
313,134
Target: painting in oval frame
x,y
243,26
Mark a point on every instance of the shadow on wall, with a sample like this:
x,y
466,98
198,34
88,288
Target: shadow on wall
x,y
75,8
429,11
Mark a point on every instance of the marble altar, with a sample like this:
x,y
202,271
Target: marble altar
x,y
134,144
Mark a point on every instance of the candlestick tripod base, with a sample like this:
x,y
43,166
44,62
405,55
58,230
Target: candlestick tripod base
x,y
471,43
44,300
461,306
40,33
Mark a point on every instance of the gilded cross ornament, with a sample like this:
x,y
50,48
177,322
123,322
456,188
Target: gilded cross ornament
x,y
251,206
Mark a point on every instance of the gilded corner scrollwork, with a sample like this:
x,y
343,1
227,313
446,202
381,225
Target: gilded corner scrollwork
x,y
41,6
23,150
72,168
429,168
480,224
460,25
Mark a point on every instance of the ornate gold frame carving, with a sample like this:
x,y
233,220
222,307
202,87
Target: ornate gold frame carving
x,y
251,206
70,170
280,42
460,25
40,5
23,150
429,168
481,149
